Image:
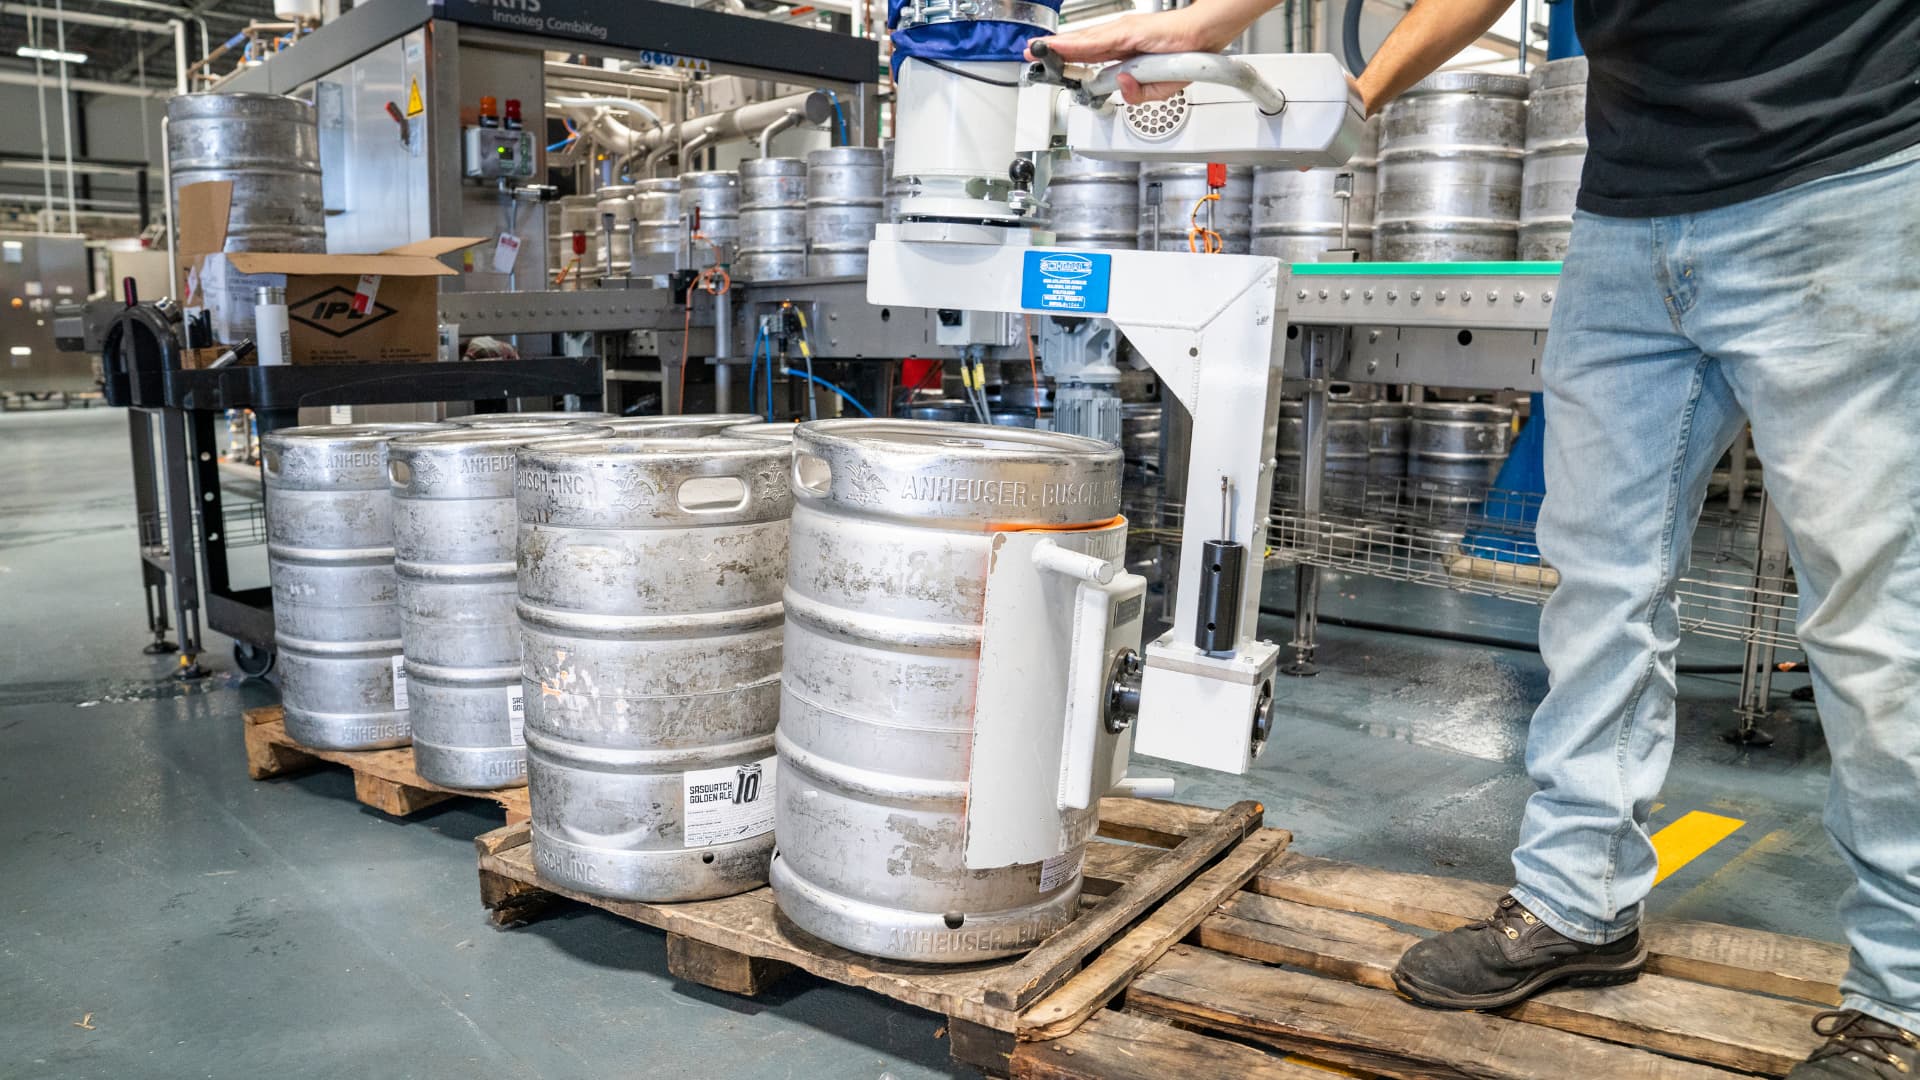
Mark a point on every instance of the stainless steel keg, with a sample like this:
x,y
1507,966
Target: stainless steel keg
x,y
1094,204
773,220
650,579
892,533
1456,448
516,419
454,525
1450,169
715,197
952,410
1169,195
771,430
614,203
845,200
268,147
1388,431
1344,481
336,624
656,210
1556,152
1296,215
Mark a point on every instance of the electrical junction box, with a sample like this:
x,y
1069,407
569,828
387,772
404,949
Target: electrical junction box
x,y
492,153
961,328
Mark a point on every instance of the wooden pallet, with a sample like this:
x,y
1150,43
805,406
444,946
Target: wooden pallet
x,y
1160,869
1227,957
382,779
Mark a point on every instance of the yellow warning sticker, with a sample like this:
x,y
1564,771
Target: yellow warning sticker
x,y
414,105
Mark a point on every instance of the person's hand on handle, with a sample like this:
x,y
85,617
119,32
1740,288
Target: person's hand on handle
x,y
1203,27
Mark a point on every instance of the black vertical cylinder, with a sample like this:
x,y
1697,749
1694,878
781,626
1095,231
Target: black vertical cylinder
x,y
1219,624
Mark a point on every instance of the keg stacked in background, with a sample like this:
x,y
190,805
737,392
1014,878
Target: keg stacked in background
x,y
336,623
714,196
877,694
1556,151
650,576
773,220
846,198
513,419
678,425
1450,169
656,213
1344,483
1296,215
614,203
454,527
1455,450
268,147
1168,195
1094,204
1388,424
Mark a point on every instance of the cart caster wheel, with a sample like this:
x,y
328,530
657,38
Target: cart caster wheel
x,y
190,670
253,662
160,647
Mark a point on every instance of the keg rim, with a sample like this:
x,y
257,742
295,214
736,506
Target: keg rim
x,y
772,166
709,178
662,448
1461,411
766,430
373,431
1558,74
847,155
655,183
949,437
1487,83
487,436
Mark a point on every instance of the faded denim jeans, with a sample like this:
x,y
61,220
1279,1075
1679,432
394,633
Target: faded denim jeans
x,y
1800,312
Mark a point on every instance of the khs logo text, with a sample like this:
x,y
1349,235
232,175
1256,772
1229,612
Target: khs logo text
x,y
331,312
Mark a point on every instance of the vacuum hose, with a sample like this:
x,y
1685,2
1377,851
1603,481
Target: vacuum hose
x,y
1350,36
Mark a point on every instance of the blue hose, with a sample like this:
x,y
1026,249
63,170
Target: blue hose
x,y
848,398
840,116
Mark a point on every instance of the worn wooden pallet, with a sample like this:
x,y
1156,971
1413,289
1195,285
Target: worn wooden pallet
x,y
1158,872
382,779
1202,954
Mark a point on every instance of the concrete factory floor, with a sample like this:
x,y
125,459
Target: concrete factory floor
x,y
162,915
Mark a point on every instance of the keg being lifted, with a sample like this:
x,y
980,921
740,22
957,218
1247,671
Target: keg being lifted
x,y
650,578
899,528
336,625
454,525
1450,151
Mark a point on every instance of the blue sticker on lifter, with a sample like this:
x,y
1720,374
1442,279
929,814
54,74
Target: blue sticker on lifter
x,y
1066,281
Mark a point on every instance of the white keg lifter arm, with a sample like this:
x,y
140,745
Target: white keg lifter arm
x,y
1208,326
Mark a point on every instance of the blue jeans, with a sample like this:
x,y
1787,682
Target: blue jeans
x,y
1800,312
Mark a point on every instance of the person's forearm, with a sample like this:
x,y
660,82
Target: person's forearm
x,y
1219,22
1432,33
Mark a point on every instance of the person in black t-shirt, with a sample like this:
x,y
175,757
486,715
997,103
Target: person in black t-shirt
x,y
1746,249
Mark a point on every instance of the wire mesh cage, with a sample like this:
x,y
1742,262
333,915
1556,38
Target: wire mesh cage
x,y
244,521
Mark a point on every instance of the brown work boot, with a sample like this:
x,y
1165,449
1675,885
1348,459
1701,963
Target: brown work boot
x,y
1508,957
1859,1047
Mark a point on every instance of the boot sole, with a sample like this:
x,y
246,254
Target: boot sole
x,y
1584,974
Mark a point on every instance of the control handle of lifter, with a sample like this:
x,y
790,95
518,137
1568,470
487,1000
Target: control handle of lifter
x,y
1187,67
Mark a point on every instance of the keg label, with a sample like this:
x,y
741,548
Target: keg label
x,y
399,682
1066,281
517,715
734,802
1061,869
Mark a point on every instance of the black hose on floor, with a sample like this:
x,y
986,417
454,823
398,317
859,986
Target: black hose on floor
x,y
1473,639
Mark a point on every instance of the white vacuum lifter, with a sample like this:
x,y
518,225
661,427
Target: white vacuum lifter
x,y
975,139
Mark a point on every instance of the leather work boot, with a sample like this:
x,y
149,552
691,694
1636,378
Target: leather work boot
x,y
1859,1048
1508,957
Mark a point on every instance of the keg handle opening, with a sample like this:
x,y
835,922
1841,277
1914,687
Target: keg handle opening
x,y
712,494
399,472
270,461
811,473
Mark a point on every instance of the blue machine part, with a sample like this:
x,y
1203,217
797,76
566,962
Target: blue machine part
x,y
1066,281
962,39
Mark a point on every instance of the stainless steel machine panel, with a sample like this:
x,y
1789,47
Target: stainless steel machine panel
x,y
38,271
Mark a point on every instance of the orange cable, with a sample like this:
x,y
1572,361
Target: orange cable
x,y
1033,369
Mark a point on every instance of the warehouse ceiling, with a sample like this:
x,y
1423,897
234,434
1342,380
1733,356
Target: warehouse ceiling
x,y
114,54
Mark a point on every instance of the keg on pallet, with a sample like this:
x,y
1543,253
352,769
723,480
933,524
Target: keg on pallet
x,y
1556,152
1450,169
1094,204
517,419
650,580
1388,424
893,527
615,203
454,525
715,196
1344,482
1169,194
1455,449
656,213
845,199
773,220
675,426
268,147
336,622
1296,215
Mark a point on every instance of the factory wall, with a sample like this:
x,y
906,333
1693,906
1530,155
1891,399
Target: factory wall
x,y
113,131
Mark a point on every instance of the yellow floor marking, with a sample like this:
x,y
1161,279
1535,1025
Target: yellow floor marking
x,y
1689,838
1657,807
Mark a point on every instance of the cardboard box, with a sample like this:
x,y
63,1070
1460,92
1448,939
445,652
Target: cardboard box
x,y
341,309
